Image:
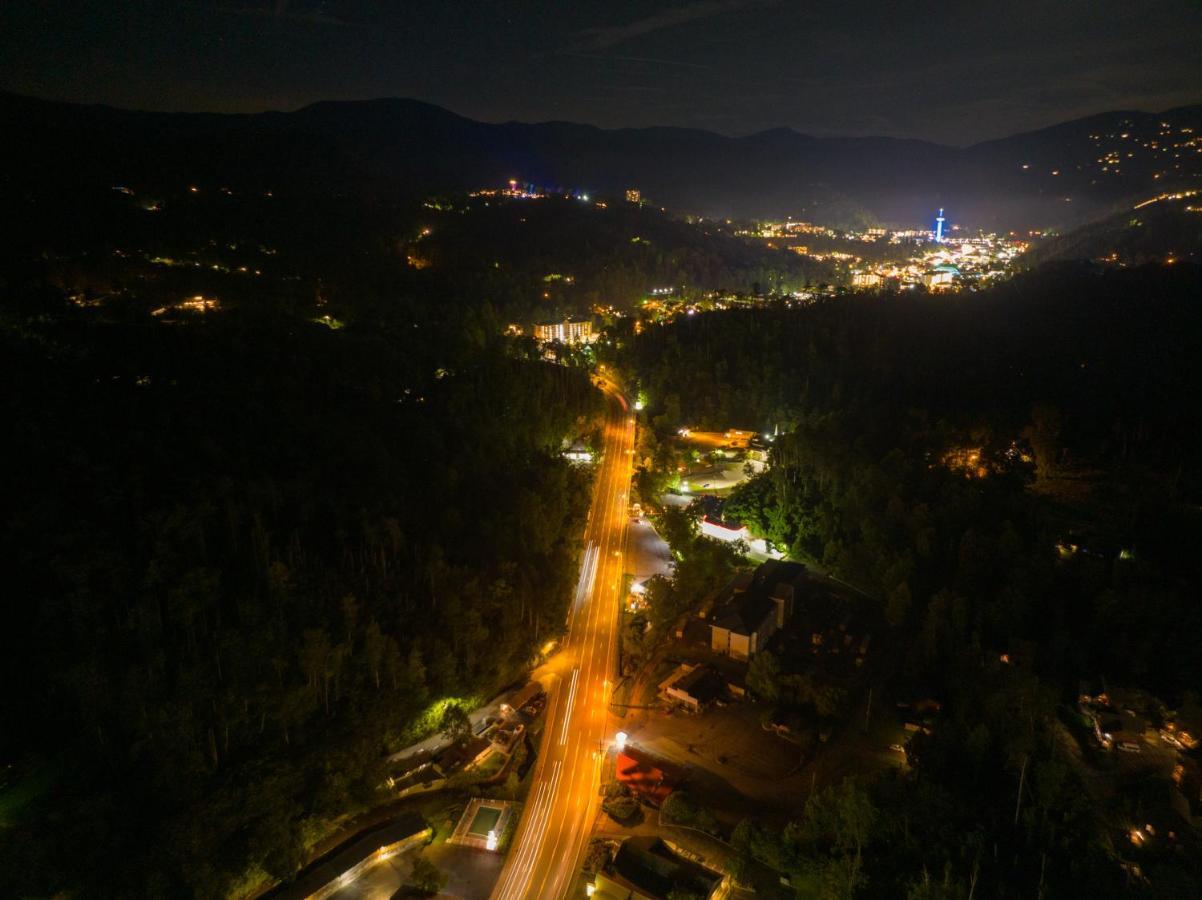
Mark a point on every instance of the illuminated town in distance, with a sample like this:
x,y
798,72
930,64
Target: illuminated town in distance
x,y
901,259
674,450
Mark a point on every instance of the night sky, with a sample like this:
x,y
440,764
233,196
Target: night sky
x,y
949,72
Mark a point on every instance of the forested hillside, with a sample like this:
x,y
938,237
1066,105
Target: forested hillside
x,y
543,258
246,553
1160,229
492,260
913,427
1016,487
1068,337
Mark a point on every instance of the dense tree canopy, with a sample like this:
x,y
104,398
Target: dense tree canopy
x,y
882,399
553,256
1016,486
246,553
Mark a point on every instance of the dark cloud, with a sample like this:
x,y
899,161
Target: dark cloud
x,y
600,38
284,11
649,60
925,68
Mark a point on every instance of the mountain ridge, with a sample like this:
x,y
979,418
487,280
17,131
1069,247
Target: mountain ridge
x,y
1045,178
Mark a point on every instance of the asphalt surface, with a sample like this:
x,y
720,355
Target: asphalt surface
x,y
647,554
549,847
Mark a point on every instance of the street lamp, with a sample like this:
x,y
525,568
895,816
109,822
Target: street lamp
x,y
620,739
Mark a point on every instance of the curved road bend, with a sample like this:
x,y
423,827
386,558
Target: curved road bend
x,y
549,846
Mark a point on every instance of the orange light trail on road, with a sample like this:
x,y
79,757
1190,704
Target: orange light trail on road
x,y
551,838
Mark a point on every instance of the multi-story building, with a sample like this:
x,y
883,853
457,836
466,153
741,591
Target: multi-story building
x,y
569,331
941,278
753,607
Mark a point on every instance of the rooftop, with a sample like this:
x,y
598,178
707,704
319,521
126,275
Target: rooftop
x,y
342,858
742,605
645,776
703,684
649,866
521,697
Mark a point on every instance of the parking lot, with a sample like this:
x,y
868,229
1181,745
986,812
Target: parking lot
x,y
726,746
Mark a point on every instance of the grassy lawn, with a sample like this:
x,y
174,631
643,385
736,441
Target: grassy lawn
x,y
429,721
492,764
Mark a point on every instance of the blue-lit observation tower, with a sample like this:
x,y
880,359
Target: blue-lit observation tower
x,y
939,220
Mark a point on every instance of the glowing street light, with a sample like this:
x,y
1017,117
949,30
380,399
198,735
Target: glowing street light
x,y
620,739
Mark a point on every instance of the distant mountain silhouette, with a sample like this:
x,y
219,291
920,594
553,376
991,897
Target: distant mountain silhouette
x,y
404,147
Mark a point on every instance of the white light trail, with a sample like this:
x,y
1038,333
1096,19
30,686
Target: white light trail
x,y
567,717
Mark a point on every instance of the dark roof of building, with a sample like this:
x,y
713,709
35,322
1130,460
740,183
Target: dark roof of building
x,y
776,572
743,604
703,684
744,613
649,866
460,754
521,697
350,854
